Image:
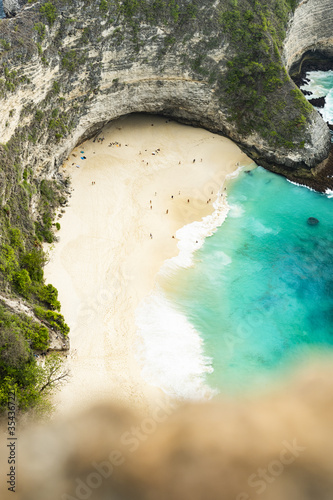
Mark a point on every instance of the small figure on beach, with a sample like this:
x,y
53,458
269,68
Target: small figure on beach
x,y
155,193
167,211
179,163
188,201
151,236
193,161
172,196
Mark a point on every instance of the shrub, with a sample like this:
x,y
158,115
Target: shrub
x,y
50,12
40,28
55,319
8,262
15,238
49,295
103,6
34,262
4,44
22,282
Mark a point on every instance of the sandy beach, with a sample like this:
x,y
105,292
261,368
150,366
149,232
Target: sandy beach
x,y
142,179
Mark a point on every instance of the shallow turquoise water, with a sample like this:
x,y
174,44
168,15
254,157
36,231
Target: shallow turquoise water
x,y
260,292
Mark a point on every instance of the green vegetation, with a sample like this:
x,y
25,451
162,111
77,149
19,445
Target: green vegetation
x,y
21,275
20,371
50,11
49,295
4,44
72,60
40,28
103,6
11,80
54,319
256,31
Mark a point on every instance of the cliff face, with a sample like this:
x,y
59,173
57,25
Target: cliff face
x,y
63,76
310,31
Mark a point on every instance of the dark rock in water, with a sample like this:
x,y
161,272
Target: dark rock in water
x,y
306,92
312,221
330,125
319,102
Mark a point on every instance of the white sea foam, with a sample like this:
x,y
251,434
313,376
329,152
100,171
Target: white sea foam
x,y
329,193
301,185
170,348
321,86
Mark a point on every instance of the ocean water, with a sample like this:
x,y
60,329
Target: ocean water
x,y
321,85
260,292
2,14
251,292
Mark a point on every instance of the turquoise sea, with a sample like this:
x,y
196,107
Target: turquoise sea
x,y
254,299
260,292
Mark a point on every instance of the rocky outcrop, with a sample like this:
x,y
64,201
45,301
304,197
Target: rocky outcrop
x,y
12,7
57,340
64,78
318,102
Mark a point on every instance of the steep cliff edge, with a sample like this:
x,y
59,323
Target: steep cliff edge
x,y
91,62
310,34
67,67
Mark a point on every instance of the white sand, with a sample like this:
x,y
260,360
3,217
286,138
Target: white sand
x,y
105,262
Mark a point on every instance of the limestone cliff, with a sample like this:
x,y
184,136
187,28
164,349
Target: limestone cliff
x,y
310,33
95,61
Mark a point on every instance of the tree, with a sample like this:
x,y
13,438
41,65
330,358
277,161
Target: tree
x,y
53,375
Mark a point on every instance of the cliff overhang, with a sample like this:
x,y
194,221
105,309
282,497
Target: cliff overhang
x,y
94,62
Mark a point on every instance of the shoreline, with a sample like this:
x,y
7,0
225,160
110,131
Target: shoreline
x,y
148,178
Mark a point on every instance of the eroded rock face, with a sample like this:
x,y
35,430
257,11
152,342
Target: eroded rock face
x,y
12,7
310,30
65,78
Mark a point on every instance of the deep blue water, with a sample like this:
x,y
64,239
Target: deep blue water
x,y
2,14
